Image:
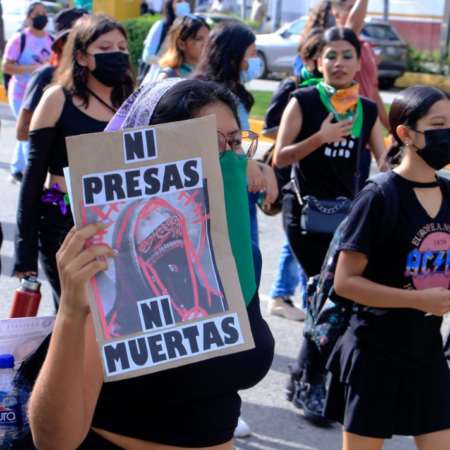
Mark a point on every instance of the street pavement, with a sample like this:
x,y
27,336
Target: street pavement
x,y
276,423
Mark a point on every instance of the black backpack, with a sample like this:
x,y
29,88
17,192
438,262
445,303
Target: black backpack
x,y
6,76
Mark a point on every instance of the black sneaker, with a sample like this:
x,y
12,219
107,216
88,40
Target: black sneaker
x,y
292,385
15,178
311,398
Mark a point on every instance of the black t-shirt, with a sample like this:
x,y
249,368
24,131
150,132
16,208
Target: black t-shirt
x,y
38,81
278,103
416,256
328,172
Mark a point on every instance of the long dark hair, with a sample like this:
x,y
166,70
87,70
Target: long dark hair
x,y
222,57
183,28
409,106
69,74
168,18
319,18
341,34
311,44
184,100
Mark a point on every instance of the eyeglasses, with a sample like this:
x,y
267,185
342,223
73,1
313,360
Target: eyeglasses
x,y
244,143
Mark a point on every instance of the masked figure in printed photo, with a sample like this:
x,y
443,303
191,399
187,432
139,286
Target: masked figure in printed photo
x,y
157,258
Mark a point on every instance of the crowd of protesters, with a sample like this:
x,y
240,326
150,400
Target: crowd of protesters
x,y
389,375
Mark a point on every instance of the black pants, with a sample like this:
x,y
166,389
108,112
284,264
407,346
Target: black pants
x,y
310,251
53,228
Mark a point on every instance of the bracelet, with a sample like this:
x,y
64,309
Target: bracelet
x,y
314,142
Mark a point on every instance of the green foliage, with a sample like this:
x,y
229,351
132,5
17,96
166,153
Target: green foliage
x,y
262,100
137,30
425,61
252,24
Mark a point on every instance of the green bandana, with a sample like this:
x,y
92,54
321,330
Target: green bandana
x,y
306,74
186,69
234,174
355,115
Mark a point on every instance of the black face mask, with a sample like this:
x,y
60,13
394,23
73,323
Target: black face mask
x,y
436,152
39,22
110,68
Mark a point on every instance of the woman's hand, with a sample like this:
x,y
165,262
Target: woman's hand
x,y
271,185
21,275
435,301
77,265
255,178
333,132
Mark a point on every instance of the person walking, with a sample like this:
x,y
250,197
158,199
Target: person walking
x,y
187,38
220,6
201,398
259,10
389,373
230,59
155,44
289,272
321,132
92,81
25,52
43,76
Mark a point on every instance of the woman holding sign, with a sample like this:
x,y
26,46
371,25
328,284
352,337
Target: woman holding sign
x,y
70,406
91,82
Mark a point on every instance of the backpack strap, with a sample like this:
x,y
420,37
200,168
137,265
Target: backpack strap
x,y
23,39
293,77
387,187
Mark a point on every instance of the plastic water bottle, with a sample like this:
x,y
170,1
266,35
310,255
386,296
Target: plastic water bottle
x,y
14,394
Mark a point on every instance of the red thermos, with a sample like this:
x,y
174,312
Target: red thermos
x,y
27,299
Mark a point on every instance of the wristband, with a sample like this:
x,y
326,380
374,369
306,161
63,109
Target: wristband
x,y
313,140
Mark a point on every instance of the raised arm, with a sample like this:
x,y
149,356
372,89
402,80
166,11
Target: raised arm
x,y
66,392
355,20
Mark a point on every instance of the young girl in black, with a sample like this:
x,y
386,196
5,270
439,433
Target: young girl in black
x,y
389,371
321,138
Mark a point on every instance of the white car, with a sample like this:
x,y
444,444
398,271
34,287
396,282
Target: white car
x,y
14,15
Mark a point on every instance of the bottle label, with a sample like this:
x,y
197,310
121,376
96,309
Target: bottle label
x,y
10,410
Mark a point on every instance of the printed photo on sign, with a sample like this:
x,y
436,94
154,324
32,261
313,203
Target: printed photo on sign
x,y
165,272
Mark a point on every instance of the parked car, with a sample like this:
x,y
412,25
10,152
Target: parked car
x,y
277,50
14,15
216,18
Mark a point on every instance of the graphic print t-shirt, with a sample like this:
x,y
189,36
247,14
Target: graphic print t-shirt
x,y
415,256
36,52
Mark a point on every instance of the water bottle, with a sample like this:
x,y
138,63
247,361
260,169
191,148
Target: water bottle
x,y
27,299
14,394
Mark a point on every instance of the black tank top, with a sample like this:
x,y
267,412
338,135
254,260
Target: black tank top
x,y
72,122
328,172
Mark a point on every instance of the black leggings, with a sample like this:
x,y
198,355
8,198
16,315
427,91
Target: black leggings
x,y
310,251
53,228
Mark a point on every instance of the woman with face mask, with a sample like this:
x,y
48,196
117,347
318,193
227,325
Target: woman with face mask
x,y
187,38
230,59
25,52
390,376
193,406
91,82
156,42
322,131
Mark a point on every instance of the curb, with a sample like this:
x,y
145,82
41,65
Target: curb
x,y
410,79
256,126
3,96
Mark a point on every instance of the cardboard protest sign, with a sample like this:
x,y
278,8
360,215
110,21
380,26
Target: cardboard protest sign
x,y
172,295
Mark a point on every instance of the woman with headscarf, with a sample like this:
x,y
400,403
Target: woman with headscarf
x,y
193,406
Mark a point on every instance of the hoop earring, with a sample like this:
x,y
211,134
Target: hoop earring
x,y
83,75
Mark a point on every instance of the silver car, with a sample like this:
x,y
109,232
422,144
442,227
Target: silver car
x,y
14,15
277,50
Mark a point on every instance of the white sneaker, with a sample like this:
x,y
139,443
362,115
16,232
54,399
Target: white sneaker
x,y
284,307
242,429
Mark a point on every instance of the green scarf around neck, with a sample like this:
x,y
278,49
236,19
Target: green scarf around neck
x,y
356,115
234,174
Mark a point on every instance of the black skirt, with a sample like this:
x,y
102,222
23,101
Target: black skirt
x,y
373,399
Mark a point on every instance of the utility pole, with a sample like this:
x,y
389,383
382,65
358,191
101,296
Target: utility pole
x,y
244,9
445,30
386,10
277,14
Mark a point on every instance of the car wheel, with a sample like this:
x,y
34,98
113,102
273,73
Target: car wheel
x,y
263,72
386,83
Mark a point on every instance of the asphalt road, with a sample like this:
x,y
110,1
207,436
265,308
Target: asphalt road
x,y
276,424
